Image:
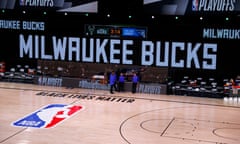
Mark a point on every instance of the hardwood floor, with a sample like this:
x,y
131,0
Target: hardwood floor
x,y
33,114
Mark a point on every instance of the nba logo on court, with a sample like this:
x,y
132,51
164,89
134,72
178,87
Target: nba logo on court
x,y
48,116
194,5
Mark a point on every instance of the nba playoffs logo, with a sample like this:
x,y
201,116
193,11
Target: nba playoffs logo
x,y
49,116
194,5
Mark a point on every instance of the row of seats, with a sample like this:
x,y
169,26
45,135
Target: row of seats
x,y
198,87
19,73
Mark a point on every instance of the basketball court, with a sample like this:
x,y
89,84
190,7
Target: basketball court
x,y
34,114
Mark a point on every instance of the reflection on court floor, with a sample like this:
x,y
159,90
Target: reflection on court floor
x,y
44,114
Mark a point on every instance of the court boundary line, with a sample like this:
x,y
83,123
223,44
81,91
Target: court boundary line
x,y
174,118
135,97
16,133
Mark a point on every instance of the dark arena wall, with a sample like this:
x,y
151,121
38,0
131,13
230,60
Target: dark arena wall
x,y
178,45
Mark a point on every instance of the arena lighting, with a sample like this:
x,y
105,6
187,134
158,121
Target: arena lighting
x,y
201,18
3,11
129,16
65,13
153,17
86,14
44,13
176,17
227,18
108,15
24,12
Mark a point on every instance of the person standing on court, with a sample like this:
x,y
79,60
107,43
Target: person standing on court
x,y
135,81
121,80
112,81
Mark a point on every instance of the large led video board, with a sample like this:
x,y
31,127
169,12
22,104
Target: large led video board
x,y
189,7
90,6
